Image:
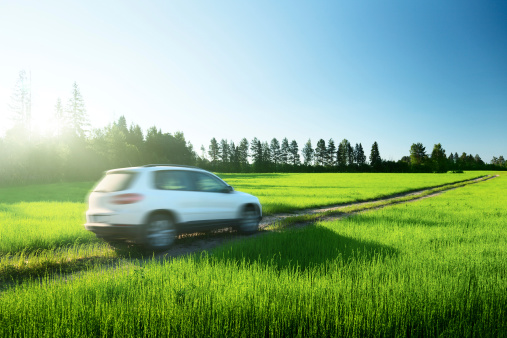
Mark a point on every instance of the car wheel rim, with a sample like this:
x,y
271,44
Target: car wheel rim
x,y
160,233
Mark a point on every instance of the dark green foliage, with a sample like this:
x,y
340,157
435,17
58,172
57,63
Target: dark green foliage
x,y
214,151
375,159
417,154
74,153
331,153
350,155
359,155
341,156
275,152
224,152
321,153
284,152
294,158
308,153
438,159
243,154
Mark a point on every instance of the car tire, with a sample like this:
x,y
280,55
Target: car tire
x,y
160,232
249,222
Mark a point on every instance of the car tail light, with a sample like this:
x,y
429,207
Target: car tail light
x,y
126,198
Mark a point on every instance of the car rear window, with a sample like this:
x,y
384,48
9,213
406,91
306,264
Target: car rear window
x,y
115,181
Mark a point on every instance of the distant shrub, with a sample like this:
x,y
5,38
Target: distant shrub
x,y
455,172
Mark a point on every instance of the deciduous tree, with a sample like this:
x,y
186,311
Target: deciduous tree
x,y
438,158
417,154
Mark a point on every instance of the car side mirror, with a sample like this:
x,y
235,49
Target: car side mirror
x,y
229,189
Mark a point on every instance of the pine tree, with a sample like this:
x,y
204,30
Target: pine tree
x,y
234,157
135,136
21,103
284,151
214,151
320,153
266,156
275,151
478,160
203,152
243,153
256,148
308,153
76,112
344,153
360,156
375,159
350,154
60,118
295,159
224,151
331,153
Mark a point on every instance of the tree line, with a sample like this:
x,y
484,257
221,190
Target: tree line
x,y
285,156
75,152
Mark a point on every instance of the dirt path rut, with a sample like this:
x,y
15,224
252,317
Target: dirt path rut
x,y
192,243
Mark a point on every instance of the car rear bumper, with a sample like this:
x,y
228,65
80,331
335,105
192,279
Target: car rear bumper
x,y
116,231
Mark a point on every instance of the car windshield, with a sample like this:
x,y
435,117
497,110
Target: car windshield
x,y
115,181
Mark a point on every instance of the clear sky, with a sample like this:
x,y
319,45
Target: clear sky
x,y
393,72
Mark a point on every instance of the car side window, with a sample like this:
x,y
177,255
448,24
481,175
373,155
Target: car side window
x,y
171,180
208,183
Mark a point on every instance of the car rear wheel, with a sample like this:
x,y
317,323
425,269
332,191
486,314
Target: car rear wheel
x,y
160,232
249,223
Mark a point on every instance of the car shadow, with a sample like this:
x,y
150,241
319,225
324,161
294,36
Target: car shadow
x,y
303,248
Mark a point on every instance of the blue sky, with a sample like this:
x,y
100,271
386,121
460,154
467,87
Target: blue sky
x,y
393,72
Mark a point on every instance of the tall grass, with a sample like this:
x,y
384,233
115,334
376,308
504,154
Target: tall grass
x,y
436,267
51,216
288,192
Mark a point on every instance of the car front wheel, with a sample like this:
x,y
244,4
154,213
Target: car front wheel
x,y
160,232
249,223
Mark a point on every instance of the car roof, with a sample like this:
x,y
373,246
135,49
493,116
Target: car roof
x,y
156,167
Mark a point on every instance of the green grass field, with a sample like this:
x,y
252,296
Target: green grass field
x,y
51,216
287,192
432,267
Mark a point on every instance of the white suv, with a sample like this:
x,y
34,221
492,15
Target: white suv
x,y
154,203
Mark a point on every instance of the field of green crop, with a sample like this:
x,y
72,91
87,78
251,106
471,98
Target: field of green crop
x,y
287,192
432,267
51,216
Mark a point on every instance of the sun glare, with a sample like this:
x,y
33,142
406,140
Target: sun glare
x,y
44,126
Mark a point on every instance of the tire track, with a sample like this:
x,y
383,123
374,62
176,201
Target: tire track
x,y
198,242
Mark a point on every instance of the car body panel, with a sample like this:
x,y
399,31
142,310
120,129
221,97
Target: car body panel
x,y
190,209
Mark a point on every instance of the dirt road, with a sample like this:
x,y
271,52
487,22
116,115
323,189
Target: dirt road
x,y
198,242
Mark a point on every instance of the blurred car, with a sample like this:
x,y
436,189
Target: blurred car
x,y
153,204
